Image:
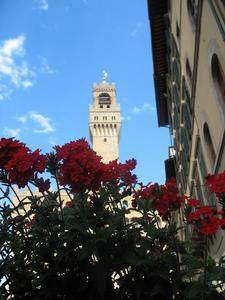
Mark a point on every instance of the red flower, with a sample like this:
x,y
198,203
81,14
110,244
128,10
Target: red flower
x,y
165,198
114,172
69,204
24,165
222,223
111,172
125,172
207,219
43,185
201,214
8,148
193,202
21,164
149,191
210,227
169,200
216,183
80,168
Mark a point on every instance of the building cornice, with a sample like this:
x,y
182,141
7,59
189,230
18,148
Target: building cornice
x,y
157,9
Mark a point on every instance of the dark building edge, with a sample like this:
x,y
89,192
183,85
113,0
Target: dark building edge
x,y
157,9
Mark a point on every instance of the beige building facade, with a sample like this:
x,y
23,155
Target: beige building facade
x,y
188,41
104,121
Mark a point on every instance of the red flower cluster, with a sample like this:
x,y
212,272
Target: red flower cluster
x,y
114,171
81,169
165,198
169,199
193,202
43,185
20,162
79,166
148,192
216,183
207,220
8,148
23,166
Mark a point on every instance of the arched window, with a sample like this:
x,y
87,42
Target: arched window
x,y
209,144
218,76
104,98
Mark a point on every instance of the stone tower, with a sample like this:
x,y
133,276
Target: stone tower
x,y
104,122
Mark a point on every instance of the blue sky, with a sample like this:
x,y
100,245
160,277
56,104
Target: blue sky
x,y
51,53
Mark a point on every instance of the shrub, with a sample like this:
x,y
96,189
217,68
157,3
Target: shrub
x,y
87,244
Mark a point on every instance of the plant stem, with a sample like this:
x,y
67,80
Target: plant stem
x,y
68,194
43,214
60,199
19,201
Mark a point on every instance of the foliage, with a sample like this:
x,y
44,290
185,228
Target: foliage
x,y
89,245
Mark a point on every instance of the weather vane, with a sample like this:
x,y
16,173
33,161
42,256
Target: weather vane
x,y
104,76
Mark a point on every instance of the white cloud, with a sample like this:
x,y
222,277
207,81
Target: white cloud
x,y
137,110
136,29
143,108
9,132
44,122
14,70
13,46
42,5
27,83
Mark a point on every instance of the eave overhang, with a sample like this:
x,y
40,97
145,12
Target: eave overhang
x,y
156,11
